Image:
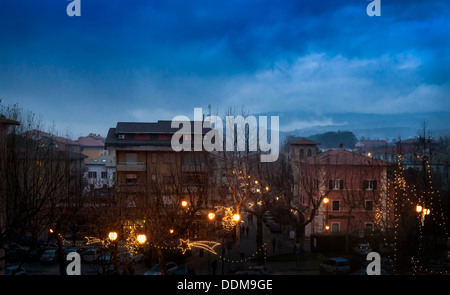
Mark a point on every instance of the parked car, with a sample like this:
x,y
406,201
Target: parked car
x,y
275,227
362,249
248,273
336,265
363,272
15,270
156,269
183,271
269,220
104,257
259,268
91,255
48,257
130,257
68,250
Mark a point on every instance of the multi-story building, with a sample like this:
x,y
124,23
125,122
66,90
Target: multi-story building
x,y
92,146
352,189
148,168
100,172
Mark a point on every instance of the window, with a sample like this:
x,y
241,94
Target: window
x,y
309,153
164,137
121,136
154,158
369,226
131,178
335,205
302,154
370,184
92,174
142,137
336,184
104,174
335,227
369,205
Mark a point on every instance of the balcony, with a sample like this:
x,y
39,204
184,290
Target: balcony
x,y
131,166
193,168
131,188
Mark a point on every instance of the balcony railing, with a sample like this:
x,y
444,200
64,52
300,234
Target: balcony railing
x,y
131,188
131,166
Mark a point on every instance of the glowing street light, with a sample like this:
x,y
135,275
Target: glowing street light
x,y
419,208
171,231
211,216
327,227
141,238
112,236
326,200
184,203
236,217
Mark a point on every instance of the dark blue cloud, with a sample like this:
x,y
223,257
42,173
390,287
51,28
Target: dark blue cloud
x,y
174,55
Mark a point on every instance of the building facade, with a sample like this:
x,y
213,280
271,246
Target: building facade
x,y
149,171
100,172
351,189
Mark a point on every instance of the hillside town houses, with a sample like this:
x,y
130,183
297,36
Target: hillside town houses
x,y
339,192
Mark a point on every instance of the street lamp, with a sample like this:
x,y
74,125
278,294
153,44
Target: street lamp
x,y
419,208
236,217
326,201
211,215
184,203
141,238
112,236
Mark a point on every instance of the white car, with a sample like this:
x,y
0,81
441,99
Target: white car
x,y
335,266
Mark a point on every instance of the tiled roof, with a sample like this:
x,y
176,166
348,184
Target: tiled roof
x,y
344,157
91,141
150,130
107,160
6,121
304,141
160,127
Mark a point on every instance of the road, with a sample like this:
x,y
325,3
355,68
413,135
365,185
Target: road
x,y
278,262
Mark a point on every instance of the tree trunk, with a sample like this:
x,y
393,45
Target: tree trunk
x,y
60,255
162,263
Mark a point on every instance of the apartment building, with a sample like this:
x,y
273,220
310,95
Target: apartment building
x,y
147,166
352,189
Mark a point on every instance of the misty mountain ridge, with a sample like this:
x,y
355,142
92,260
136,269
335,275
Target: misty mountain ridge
x,y
367,126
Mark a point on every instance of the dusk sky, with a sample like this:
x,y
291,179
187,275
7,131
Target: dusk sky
x,y
146,60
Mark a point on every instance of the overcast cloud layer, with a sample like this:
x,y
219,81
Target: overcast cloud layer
x,y
143,60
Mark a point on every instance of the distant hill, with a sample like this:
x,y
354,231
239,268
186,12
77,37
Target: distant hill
x,y
370,126
331,140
